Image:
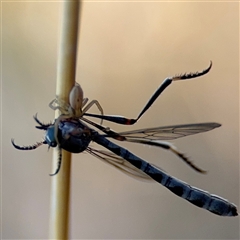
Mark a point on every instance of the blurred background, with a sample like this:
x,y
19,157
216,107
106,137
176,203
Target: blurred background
x,y
126,49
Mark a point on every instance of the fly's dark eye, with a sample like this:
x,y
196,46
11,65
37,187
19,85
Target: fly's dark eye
x,y
53,144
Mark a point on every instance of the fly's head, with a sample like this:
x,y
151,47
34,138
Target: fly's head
x,y
50,137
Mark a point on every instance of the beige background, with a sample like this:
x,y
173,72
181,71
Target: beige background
x,y
125,52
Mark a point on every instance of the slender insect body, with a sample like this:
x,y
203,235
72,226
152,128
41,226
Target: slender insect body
x,y
196,196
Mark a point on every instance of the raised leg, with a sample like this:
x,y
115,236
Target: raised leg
x,y
162,87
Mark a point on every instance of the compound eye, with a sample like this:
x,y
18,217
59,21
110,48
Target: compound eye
x,y
53,144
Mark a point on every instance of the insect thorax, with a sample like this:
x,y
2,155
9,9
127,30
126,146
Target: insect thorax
x,y
73,135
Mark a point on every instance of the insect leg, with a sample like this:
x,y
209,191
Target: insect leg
x,y
162,87
84,102
31,147
59,162
42,125
168,81
62,106
170,147
89,105
126,121
106,130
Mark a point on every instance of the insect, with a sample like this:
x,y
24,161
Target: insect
x,y
75,136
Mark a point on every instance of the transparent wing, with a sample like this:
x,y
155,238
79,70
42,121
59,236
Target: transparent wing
x,y
169,132
119,163
152,136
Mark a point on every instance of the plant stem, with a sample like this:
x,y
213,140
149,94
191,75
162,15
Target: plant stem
x,y
66,69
